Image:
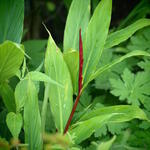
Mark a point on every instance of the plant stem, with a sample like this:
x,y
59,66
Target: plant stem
x,y
44,107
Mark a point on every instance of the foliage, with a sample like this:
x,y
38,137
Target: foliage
x,y
104,105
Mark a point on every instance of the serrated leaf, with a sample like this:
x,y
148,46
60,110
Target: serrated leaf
x,y
7,94
133,88
114,62
78,17
61,99
119,36
106,145
32,119
96,35
95,119
11,20
72,60
11,57
14,123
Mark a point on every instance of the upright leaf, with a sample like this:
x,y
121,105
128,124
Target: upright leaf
x,y
95,119
14,123
72,60
78,17
60,98
11,20
11,57
32,119
96,35
7,94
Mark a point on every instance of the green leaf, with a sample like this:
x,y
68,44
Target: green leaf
x,y
32,119
72,60
95,119
11,57
35,49
96,35
78,17
7,94
106,145
21,94
116,61
61,99
11,20
39,76
117,37
131,87
14,123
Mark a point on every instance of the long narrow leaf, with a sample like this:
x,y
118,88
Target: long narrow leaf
x,y
61,99
117,37
78,17
96,35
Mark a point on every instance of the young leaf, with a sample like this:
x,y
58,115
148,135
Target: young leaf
x,y
116,61
11,57
133,88
96,35
32,119
14,123
97,118
78,17
72,60
61,99
117,37
11,20
7,94
106,145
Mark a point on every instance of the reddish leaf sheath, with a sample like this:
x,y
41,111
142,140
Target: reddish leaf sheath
x,y
79,82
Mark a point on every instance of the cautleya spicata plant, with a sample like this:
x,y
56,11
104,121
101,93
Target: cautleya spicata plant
x,y
66,74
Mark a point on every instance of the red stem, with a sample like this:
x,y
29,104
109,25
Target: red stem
x,y
79,82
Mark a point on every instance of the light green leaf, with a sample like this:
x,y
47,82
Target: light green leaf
x,y
96,35
11,57
32,119
61,99
20,94
78,17
97,118
39,76
117,37
14,123
7,94
72,60
11,20
106,145
116,61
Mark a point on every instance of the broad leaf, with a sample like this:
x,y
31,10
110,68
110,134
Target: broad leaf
x,y
32,119
11,20
72,60
116,61
14,123
97,118
78,17
7,94
117,37
96,35
106,145
11,57
61,99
